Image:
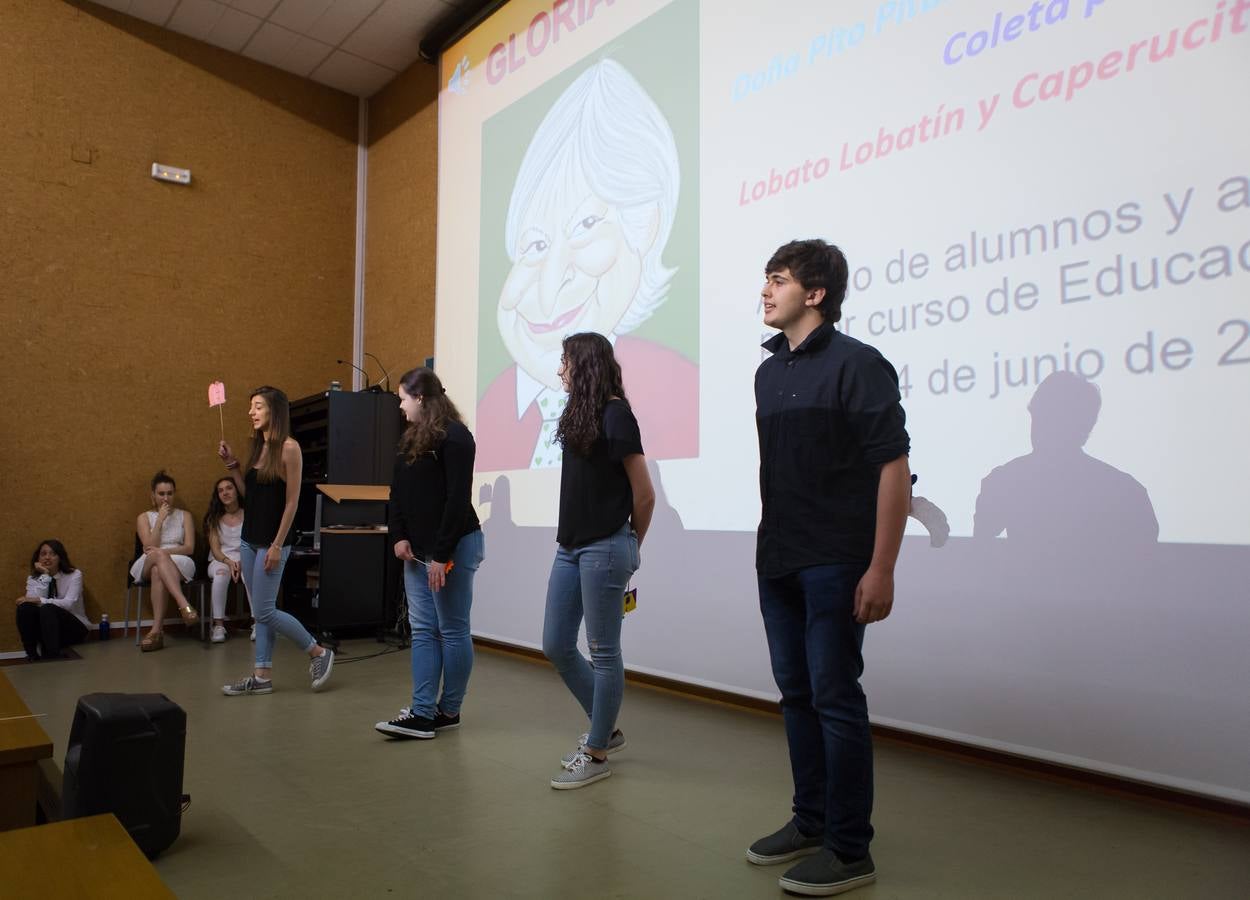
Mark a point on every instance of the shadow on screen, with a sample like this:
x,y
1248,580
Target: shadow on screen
x,y
1062,626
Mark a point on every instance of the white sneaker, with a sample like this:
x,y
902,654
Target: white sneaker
x,y
253,637
616,743
219,634
581,771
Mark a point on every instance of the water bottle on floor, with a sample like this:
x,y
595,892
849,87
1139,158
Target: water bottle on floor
x,y
104,627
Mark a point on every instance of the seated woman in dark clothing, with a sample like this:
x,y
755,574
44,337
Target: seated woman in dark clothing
x,y
51,615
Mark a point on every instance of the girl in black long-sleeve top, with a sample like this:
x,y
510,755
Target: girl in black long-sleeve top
x,y
435,531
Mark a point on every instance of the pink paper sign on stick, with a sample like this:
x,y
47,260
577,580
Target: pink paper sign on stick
x,y
216,394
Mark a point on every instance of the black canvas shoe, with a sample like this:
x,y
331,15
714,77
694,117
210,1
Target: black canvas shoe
x,y
824,874
442,720
783,845
406,725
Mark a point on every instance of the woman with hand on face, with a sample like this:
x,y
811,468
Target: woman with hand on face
x,y
606,502
270,485
223,523
168,539
51,613
435,531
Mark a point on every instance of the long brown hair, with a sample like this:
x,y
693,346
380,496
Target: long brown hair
x,y
594,378
217,509
437,410
279,431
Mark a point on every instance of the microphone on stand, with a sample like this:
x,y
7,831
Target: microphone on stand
x,y
348,362
383,368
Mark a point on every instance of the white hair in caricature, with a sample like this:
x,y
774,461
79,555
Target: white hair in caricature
x,y
607,128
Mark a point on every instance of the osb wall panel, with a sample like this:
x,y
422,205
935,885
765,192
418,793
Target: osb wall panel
x,y
402,219
123,297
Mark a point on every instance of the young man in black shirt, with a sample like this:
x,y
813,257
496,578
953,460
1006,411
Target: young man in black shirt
x,y
835,487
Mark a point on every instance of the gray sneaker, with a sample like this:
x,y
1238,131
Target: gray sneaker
x,y
616,743
581,771
824,875
783,845
320,668
249,685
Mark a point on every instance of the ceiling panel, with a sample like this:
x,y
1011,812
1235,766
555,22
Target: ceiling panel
x,y
306,54
196,17
233,30
353,74
340,20
353,45
270,44
298,15
258,8
155,11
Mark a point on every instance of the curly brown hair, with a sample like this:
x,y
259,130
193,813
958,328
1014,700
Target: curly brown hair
x,y
437,410
594,378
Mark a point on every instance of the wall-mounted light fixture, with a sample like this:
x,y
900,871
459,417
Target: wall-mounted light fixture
x,y
171,174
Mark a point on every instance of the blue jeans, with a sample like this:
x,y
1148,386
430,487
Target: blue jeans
x,y
442,647
815,646
591,581
262,587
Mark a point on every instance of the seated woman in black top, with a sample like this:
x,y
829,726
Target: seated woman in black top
x,y
606,501
50,614
435,531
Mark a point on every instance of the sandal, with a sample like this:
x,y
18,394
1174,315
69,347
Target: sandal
x,y
153,642
189,615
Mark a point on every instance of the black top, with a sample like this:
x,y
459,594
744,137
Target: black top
x,y
595,495
431,504
265,502
828,416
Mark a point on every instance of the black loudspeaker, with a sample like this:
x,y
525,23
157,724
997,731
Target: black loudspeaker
x,y
125,756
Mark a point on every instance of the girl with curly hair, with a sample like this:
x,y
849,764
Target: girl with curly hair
x,y
606,501
435,531
223,524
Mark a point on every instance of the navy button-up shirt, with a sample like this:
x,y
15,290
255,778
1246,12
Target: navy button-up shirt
x,y
828,416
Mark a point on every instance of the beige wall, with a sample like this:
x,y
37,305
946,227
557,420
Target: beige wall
x,y
124,297
403,213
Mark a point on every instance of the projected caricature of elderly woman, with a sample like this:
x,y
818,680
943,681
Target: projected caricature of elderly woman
x,y
590,214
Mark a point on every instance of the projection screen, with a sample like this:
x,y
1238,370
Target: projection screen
x,y
1046,209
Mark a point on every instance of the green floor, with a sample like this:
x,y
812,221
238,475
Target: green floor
x,y
295,795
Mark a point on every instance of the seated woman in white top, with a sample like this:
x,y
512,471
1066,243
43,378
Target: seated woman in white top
x,y
51,614
223,523
168,538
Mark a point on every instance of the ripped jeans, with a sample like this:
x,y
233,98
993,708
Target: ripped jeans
x,y
590,581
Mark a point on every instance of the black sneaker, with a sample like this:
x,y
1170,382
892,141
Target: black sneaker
x,y
442,720
824,874
406,725
783,845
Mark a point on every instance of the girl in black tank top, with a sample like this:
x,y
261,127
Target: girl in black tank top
x,y
266,501
271,486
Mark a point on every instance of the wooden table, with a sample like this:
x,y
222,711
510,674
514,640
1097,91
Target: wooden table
x,y
23,742
90,857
